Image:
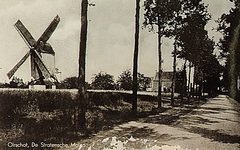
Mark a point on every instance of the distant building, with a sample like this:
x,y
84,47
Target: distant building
x,y
166,80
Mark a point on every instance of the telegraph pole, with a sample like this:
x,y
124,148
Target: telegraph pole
x,y
135,58
81,102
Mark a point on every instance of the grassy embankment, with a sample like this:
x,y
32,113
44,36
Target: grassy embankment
x,y
36,116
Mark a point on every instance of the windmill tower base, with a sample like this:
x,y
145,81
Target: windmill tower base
x,y
37,87
41,87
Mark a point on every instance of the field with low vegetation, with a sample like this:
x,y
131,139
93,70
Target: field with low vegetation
x,y
49,115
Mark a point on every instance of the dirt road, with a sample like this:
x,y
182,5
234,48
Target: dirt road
x,y
214,125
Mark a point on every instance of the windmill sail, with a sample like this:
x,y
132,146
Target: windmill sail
x,y
50,29
38,68
34,71
37,63
25,34
15,68
41,42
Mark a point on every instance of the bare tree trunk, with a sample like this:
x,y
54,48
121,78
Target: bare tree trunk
x,y
135,59
233,71
184,82
189,81
81,125
201,94
194,81
159,65
174,74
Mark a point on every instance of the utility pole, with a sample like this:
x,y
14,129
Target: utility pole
x,y
159,97
135,59
81,102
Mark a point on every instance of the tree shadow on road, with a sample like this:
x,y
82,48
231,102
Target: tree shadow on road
x,y
172,114
216,135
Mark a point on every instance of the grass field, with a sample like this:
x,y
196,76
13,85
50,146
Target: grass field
x,y
36,116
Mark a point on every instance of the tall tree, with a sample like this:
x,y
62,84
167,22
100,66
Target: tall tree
x,y
185,8
135,59
192,32
160,13
174,73
229,26
81,108
173,33
196,46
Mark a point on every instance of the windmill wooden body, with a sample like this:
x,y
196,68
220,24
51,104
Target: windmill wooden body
x,y
39,70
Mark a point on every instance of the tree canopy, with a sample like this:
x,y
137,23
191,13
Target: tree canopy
x,y
229,26
103,81
125,81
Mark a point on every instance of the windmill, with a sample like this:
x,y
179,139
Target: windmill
x,y
39,70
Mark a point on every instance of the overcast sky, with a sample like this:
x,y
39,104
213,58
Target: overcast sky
x,y
110,36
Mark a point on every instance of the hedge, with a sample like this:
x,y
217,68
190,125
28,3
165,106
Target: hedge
x,y
16,104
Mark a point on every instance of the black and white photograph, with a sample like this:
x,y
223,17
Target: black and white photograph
x,y
120,74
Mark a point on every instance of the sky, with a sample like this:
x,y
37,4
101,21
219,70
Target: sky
x,y
110,41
